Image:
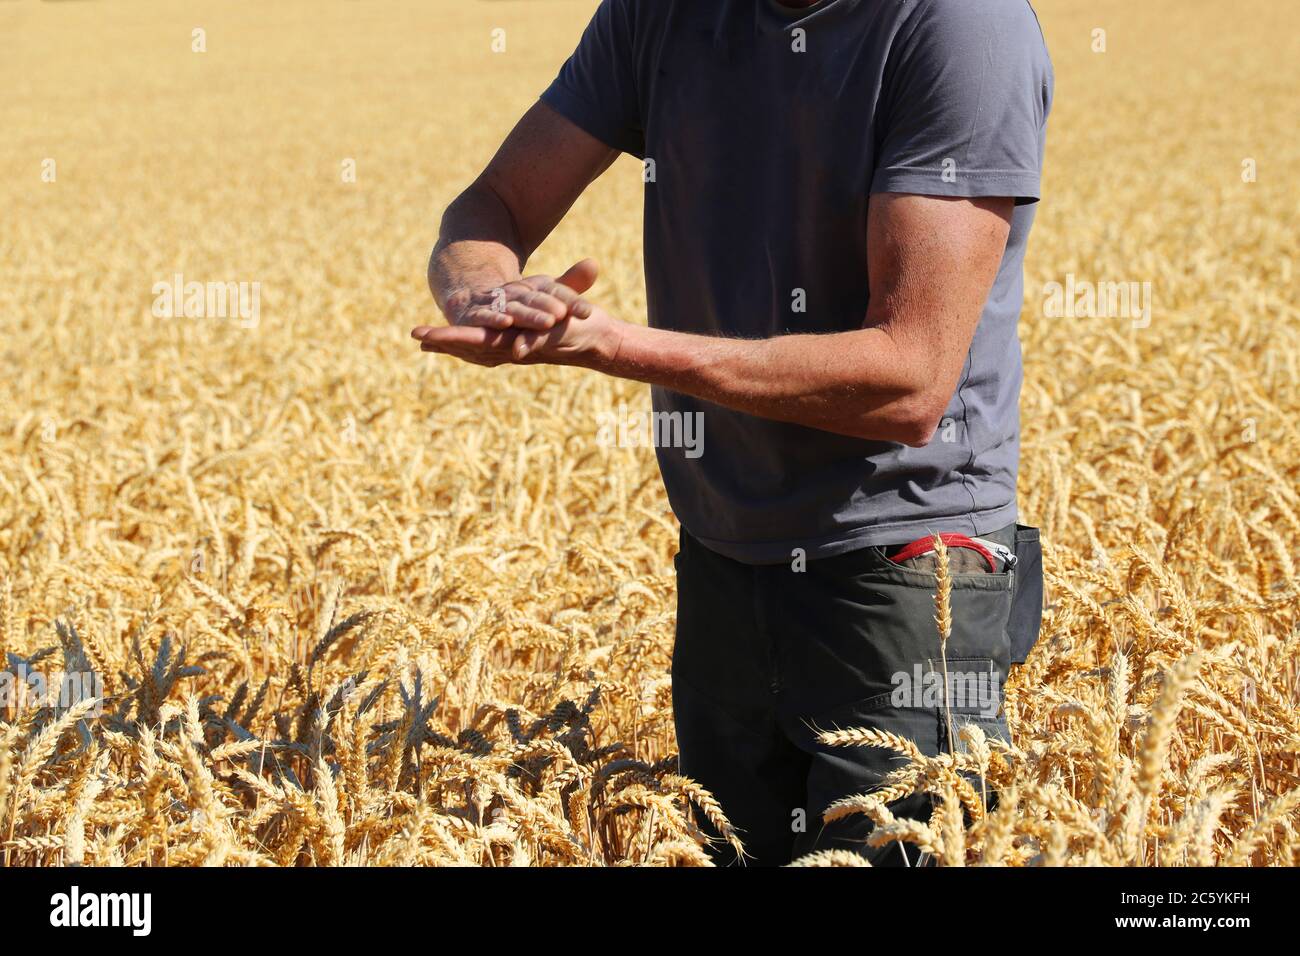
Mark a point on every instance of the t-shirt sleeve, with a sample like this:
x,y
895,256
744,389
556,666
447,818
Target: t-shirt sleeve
x,y
596,87
964,102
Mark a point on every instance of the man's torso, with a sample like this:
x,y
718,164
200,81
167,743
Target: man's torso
x,y
763,129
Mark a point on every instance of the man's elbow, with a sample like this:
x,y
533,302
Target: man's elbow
x,y
913,422
916,433
919,434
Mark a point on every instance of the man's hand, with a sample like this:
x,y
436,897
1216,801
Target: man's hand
x,y
537,302
533,321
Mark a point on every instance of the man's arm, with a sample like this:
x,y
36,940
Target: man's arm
x,y
489,232
932,262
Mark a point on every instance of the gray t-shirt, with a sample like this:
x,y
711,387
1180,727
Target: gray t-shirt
x,y
769,128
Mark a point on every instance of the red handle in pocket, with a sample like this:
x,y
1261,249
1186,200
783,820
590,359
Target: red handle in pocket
x,y
925,545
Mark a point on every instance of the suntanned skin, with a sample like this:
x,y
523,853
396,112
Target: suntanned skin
x,y
931,264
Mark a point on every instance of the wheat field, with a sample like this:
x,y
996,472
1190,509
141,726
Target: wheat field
x,y
350,604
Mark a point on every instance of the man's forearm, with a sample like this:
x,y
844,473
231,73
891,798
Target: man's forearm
x,y
857,383
478,248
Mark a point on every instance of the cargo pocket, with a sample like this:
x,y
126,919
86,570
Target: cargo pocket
x,y
977,652
899,642
980,606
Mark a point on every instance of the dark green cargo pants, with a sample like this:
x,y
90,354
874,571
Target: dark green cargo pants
x,y
767,656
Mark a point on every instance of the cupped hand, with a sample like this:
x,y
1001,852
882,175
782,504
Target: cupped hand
x,y
536,303
549,323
